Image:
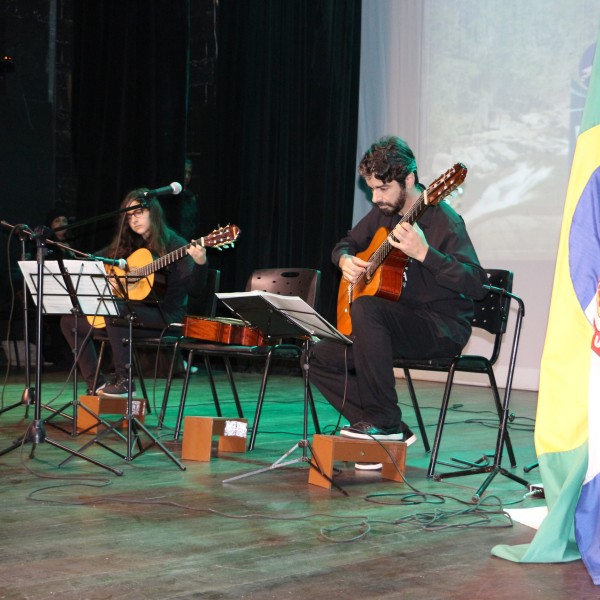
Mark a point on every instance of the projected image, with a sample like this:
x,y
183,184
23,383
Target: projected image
x,y
505,97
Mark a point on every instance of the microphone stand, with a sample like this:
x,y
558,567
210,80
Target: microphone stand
x,y
28,396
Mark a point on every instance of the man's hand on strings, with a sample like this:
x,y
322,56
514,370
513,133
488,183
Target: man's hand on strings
x,y
411,240
352,267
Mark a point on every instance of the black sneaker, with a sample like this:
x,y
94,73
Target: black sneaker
x,y
367,431
117,389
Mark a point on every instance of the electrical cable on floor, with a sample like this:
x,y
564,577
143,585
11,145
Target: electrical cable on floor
x,y
480,515
429,521
32,496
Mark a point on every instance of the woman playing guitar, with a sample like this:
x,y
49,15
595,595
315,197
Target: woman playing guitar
x,y
142,228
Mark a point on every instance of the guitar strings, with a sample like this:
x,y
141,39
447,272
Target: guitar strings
x,y
384,249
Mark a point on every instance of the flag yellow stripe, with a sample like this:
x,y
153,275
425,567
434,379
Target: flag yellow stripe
x,y
562,414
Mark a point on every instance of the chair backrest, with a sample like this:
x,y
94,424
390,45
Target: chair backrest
x,y
287,282
205,305
491,313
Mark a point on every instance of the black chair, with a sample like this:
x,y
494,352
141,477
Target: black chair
x,y
491,314
169,341
290,282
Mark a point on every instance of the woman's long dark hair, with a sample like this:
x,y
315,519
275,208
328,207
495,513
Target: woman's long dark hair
x,y
127,241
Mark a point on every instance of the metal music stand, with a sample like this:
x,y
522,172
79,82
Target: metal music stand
x,y
56,303
85,285
133,424
277,316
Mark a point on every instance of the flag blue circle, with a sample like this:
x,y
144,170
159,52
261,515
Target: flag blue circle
x,y
584,242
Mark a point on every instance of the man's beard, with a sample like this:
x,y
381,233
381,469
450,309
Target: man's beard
x,y
395,207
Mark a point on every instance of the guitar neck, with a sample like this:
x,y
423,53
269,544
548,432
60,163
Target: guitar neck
x,y
223,237
161,262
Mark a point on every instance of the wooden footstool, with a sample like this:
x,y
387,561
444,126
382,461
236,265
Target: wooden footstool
x,y
326,449
198,433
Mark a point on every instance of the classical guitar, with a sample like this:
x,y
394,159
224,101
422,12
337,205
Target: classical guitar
x,y
222,331
135,282
383,276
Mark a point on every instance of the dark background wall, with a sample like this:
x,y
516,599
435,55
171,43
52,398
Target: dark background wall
x,y
269,92
27,142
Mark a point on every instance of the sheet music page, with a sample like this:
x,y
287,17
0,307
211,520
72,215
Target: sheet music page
x,y
89,280
95,294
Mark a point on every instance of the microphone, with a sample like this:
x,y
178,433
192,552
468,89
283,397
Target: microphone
x,y
121,263
173,188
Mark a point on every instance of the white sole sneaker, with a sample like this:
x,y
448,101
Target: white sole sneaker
x,y
365,466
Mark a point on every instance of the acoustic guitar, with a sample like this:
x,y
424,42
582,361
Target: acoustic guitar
x,y
383,275
136,281
222,331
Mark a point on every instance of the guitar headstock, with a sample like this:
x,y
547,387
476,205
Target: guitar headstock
x,y
223,237
445,184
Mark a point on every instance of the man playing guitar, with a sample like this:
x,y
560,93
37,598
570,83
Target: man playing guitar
x,y
422,309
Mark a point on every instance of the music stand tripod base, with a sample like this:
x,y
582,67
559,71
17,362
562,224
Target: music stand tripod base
x,y
129,423
278,464
279,316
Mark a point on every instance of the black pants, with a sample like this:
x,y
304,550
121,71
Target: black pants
x,y
358,379
153,323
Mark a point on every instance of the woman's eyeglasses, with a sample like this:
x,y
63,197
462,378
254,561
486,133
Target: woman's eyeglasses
x,y
138,212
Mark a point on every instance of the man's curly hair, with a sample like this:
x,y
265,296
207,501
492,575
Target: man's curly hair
x,y
389,159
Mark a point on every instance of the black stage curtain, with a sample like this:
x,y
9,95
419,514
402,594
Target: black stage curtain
x,y
130,85
287,90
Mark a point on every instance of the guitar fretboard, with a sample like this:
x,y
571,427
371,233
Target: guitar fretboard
x,y
413,213
160,263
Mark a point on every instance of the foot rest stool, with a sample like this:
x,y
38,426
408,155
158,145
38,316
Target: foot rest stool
x,y
198,433
326,449
102,405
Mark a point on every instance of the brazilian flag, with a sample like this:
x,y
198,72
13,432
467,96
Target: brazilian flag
x,y
567,432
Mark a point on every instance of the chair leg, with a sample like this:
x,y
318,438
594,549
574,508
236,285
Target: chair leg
x,y
98,365
184,389
163,408
416,408
138,370
213,388
441,421
234,391
259,403
498,403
